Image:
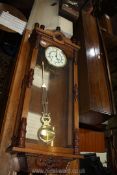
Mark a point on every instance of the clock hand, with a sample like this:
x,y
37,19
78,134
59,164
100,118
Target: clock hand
x,y
58,57
56,53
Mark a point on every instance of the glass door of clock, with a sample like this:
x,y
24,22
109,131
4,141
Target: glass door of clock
x,y
59,84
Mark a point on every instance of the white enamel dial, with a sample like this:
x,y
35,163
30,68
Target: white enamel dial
x,y
55,56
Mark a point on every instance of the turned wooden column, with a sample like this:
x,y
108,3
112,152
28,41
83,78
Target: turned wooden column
x,y
76,105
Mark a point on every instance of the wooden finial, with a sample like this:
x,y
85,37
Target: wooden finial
x,y
58,28
74,40
42,27
36,25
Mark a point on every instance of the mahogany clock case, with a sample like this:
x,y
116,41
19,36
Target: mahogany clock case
x,y
61,92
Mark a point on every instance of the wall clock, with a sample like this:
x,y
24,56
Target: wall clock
x,y
55,56
47,122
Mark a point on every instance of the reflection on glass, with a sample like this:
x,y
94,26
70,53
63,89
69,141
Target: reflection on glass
x,y
59,89
34,114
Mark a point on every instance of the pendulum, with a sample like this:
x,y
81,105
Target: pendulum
x,y
46,132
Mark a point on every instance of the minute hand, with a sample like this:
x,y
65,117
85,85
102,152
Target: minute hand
x,y
58,57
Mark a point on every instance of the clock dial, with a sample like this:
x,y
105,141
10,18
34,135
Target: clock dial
x,y
55,56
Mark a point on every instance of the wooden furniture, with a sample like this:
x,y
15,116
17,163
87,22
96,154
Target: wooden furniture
x,y
9,42
110,42
13,11
69,9
111,141
95,88
63,82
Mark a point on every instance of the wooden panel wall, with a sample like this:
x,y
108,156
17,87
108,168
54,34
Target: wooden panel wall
x,y
92,141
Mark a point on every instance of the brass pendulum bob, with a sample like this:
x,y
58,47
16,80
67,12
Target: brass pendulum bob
x,y
46,132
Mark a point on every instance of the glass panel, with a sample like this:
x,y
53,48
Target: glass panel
x,y
60,103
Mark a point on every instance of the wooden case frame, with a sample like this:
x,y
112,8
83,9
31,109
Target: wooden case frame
x,y
19,143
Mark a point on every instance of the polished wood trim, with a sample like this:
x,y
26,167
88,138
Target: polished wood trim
x,y
44,152
49,148
28,90
49,34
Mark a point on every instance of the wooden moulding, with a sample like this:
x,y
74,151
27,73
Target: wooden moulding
x,y
56,37
38,152
20,129
45,164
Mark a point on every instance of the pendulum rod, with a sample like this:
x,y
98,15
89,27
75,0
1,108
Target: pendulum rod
x,y
44,93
